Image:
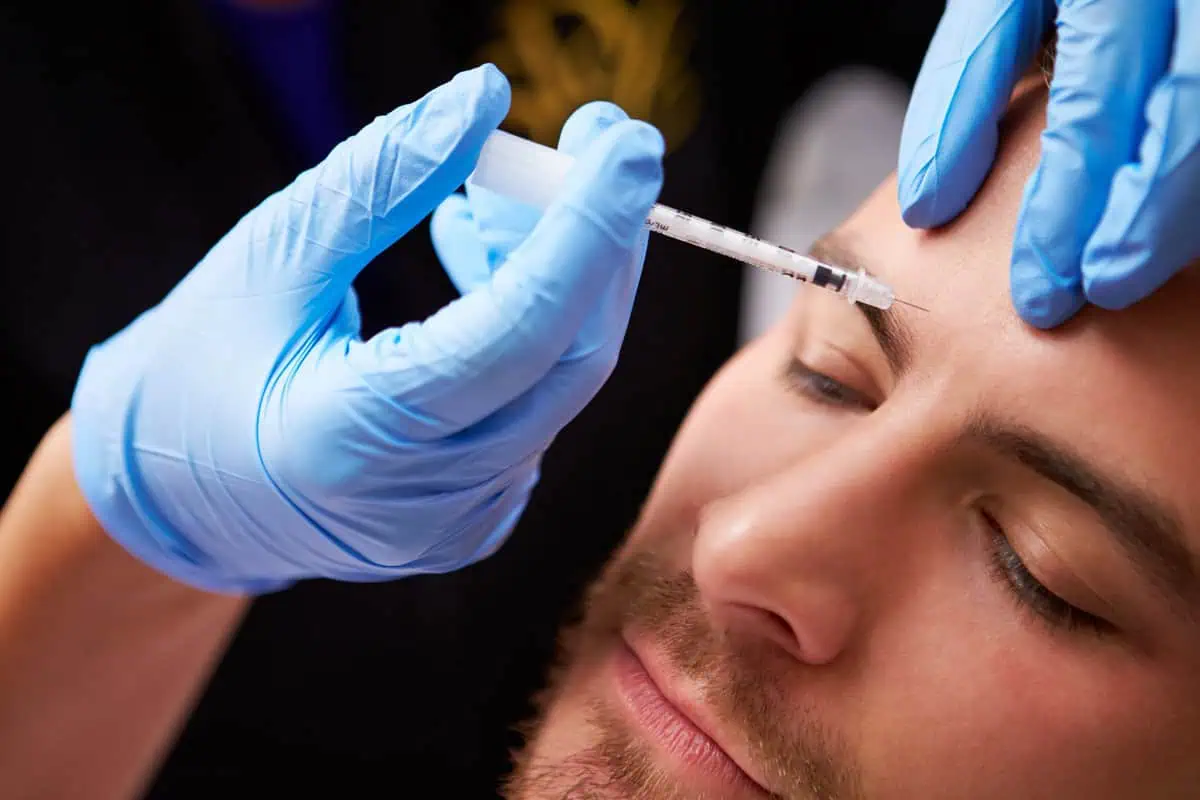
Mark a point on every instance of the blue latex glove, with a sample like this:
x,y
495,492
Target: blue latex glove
x,y
241,435
474,233
1110,213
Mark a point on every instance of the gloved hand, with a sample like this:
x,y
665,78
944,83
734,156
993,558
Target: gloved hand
x,y
241,435
474,233
1110,212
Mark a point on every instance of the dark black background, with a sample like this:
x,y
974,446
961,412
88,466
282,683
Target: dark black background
x,y
133,139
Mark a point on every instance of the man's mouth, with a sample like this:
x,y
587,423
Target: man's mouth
x,y
679,724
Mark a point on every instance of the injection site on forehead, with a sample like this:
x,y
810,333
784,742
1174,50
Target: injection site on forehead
x,y
891,332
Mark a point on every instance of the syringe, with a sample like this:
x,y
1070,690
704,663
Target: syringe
x,y
532,173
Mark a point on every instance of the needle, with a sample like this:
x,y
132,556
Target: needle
x,y
912,305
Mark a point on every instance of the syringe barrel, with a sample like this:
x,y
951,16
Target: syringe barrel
x,y
521,170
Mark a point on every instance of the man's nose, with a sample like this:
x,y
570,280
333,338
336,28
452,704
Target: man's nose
x,y
803,559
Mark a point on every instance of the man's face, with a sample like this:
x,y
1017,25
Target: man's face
x,y
932,568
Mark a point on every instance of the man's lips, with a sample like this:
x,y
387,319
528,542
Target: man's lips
x,y
678,717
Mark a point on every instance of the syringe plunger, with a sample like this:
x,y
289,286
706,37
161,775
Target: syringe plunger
x,y
521,170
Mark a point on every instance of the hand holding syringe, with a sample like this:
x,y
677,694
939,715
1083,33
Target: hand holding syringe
x,y
532,173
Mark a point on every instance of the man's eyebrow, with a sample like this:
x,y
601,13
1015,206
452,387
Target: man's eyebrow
x,y
890,331
1145,527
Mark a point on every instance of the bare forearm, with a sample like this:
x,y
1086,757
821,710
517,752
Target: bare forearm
x,y
101,657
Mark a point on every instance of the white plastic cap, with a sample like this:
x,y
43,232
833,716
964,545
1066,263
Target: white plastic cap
x,y
521,170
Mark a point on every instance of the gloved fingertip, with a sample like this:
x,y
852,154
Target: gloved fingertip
x,y
586,123
466,108
454,120
1046,311
915,191
491,97
1041,300
648,139
947,147
1111,296
494,85
1114,280
618,178
932,192
918,208
1146,236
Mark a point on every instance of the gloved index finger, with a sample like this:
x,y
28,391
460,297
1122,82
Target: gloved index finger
x,y
487,348
1148,231
1109,56
948,142
376,186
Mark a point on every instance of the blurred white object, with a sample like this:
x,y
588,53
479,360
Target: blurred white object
x,y
833,148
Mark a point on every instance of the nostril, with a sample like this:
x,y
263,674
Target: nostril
x,y
766,625
783,634
780,624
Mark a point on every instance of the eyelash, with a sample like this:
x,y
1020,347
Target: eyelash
x,y
1007,569
1004,564
824,389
